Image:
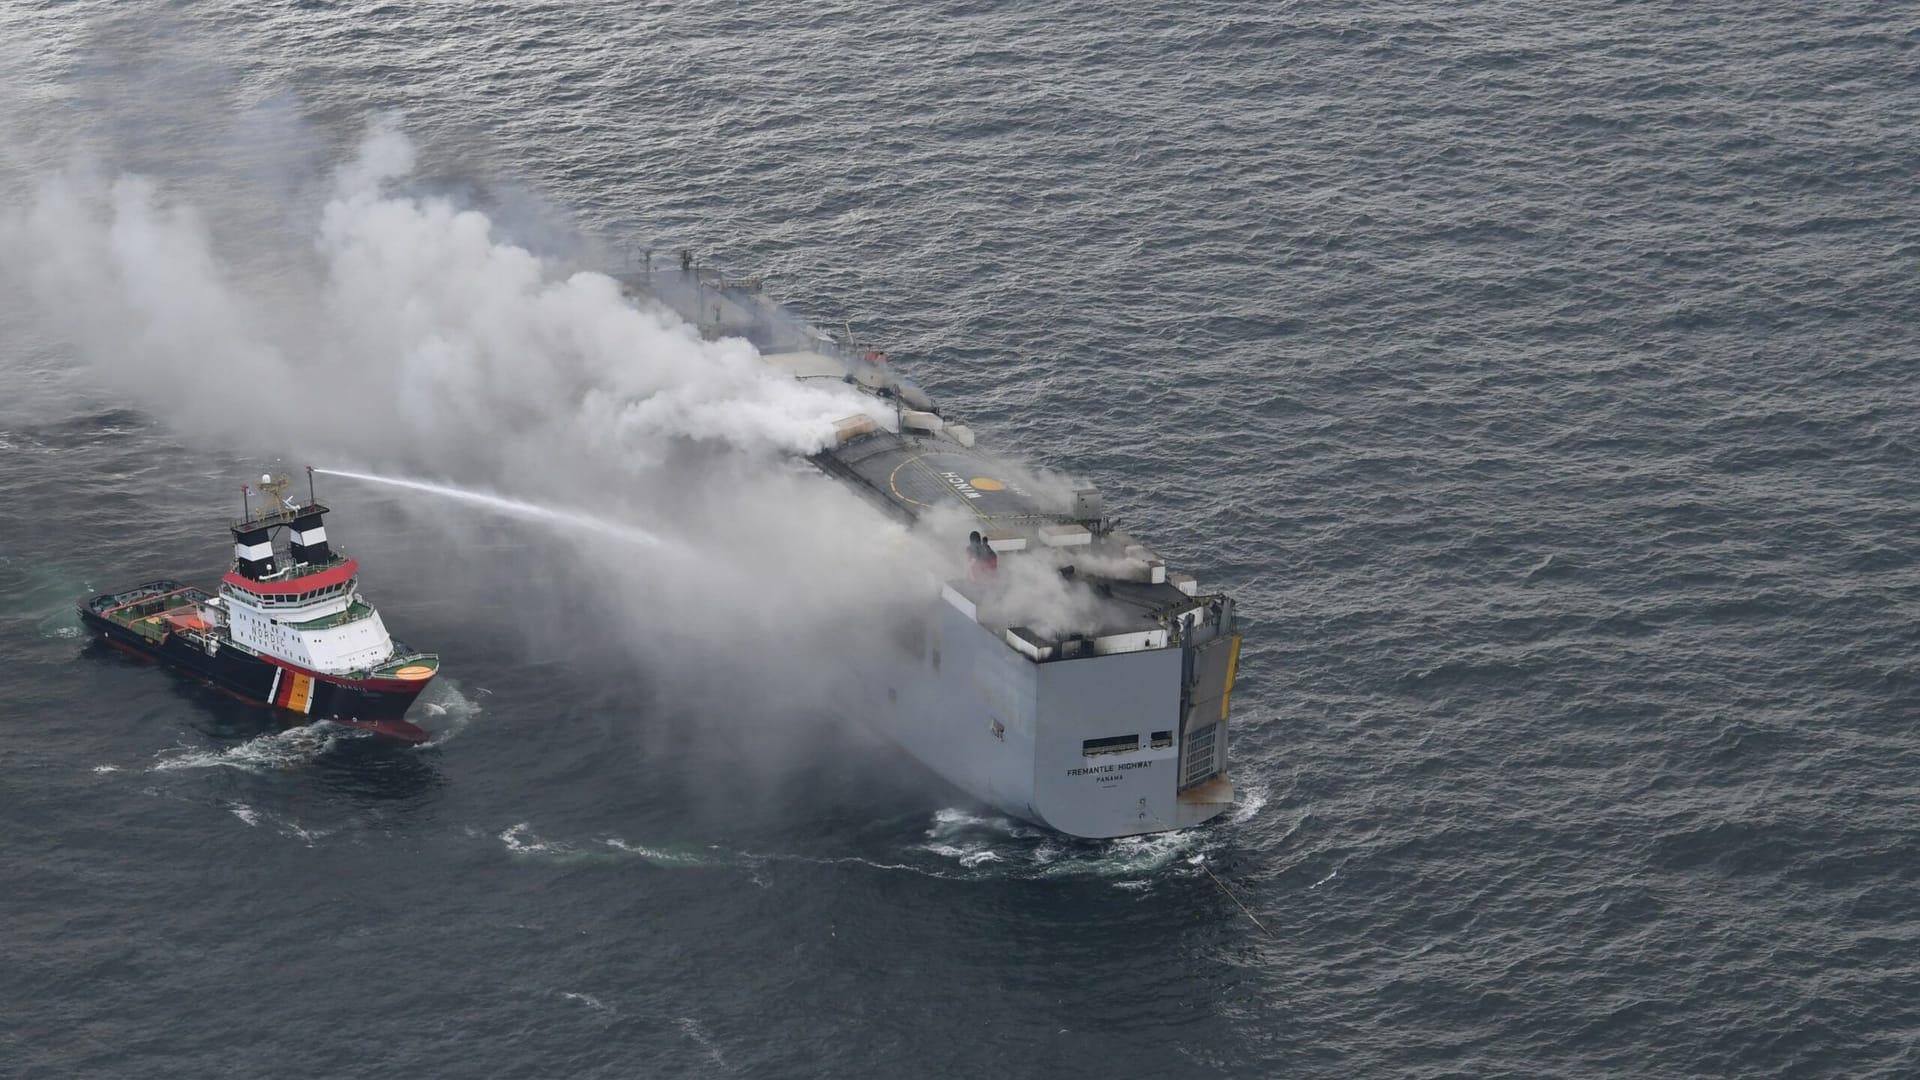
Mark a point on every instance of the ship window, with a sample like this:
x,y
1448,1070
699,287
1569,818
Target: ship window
x,y
1117,744
1162,739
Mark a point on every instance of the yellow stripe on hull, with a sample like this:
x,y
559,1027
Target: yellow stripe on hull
x,y
1233,664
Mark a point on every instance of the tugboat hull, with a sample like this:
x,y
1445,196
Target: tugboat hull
x,y
376,705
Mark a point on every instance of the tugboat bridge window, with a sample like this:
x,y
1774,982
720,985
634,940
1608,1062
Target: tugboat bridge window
x,y
1116,744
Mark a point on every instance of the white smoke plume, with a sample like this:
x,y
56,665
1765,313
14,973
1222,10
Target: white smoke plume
x,y
403,334
411,337
407,336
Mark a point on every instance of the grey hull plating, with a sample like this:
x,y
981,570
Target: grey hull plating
x,y
1012,732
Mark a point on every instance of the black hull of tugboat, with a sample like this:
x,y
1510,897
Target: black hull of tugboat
x,y
379,710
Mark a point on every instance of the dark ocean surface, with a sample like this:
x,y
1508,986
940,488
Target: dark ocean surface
x,y
1542,380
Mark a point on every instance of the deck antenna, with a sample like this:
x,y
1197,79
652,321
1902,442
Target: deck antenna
x,y
246,508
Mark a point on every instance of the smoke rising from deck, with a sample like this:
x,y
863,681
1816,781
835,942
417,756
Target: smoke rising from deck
x,y
352,315
404,333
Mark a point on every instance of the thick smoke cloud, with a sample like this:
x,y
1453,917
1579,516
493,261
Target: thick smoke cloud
x,y
399,332
411,337
406,336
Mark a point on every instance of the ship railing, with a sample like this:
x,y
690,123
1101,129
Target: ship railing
x,y
335,557
147,600
398,661
267,517
356,611
278,513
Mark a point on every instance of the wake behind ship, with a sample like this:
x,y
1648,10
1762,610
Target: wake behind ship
x,y
288,627
1113,725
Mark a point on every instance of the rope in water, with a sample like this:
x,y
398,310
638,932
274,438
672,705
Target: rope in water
x,y
1223,885
1235,899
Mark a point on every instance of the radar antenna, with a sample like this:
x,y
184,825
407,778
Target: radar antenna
x,y
275,488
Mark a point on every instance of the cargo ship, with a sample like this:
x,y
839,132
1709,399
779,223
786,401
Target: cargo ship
x,y
1113,723
288,627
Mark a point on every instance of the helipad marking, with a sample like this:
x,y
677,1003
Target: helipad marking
x,y
987,483
893,477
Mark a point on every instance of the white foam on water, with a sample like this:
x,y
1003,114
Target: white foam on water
x,y
1253,800
698,1033
960,846
255,818
306,835
520,840
452,712
106,768
753,862
1001,847
952,822
588,1000
656,855
1131,856
265,753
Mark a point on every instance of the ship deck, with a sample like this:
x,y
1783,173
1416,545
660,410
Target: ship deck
x,y
914,475
931,465
155,609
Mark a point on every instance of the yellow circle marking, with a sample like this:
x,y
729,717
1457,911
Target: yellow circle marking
x,y
987,483
414,671
893,482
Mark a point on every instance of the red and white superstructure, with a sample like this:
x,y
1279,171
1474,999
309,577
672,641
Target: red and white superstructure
x,y
315,620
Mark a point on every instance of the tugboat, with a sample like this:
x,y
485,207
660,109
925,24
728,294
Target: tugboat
x,y
288,628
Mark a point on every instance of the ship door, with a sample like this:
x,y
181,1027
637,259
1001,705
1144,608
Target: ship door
x,y
1203,725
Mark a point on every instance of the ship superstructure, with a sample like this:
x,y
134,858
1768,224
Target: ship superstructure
x,y
1109,721
288,626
